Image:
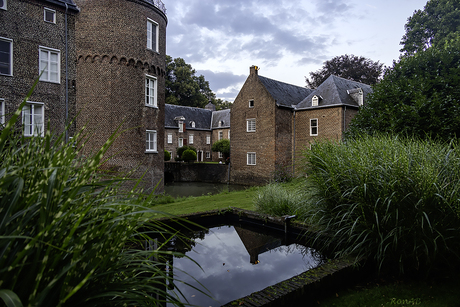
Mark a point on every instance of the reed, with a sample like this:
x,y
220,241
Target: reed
x,y
389,199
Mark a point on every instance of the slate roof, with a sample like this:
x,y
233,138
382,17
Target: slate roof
x,y
201,117
222,115
285,94
70,4
333,91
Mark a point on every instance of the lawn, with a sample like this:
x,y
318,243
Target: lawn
x,y
377,292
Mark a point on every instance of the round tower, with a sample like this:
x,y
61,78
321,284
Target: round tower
x,y
121,54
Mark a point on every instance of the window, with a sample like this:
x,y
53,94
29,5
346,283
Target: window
x,y
181,142
169,138
50,64
251,103
251,125
314,101
221,135
314,126
208,139
181,126
150,141
251,158
6,56
151,91
190,139
220,155
33,115
3,4
228,134
2,111
49,15
152,35
208,155
192,124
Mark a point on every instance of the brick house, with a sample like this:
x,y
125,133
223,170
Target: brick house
x,y
195,127
121,54
34,38
272,122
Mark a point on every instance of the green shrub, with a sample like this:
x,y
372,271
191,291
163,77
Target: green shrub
x,y
389,199
189,155
69,237
274,199
181,150
167,155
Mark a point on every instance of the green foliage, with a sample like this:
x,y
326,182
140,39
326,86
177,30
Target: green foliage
x,y
189,155
69,237
181,150
221,104
388,199
349,67
222,146
274,199
282,173
183,87
419,96
437,22
167,155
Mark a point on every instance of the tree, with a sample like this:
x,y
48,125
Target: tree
x,y
350,67
419,96
183,87
189,155
222,104
181,150
222,146
438,21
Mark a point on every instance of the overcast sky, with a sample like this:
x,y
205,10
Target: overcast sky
x,y
287,39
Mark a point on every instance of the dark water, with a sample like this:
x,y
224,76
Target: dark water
x,y
181,189
237,261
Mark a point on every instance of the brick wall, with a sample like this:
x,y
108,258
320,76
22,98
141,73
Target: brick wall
x,y
113,61
23,23
215,138
262,142
199,142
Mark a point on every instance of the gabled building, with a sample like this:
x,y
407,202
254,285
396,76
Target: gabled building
x,y
195,127
272,122
38,36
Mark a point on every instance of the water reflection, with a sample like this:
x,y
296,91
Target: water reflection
x,y
236,261
184,189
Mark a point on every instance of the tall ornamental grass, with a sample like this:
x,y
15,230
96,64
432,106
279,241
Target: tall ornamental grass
x,y
274,199
69,237
392,200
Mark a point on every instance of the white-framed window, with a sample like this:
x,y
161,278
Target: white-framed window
x,y
251,125
150,141
151,91
221,156
2,111
50,64
251,103
181,142
190,139
6,56
49,15
221,135
208,155
3,4
170,138
33,115
228,134
251,158
181,126
314,101
192,124
152,35
313,126
208,139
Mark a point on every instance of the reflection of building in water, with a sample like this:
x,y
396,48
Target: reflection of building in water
x,y
257,243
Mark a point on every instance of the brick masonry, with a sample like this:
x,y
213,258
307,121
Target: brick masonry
x,y
112,64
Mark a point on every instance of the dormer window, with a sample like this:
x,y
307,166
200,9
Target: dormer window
x,y
192,124
251,103
314,101
357,95
3,4
220,123
181,126
49,15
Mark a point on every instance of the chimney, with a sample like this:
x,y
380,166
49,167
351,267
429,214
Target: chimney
x,y
253,70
